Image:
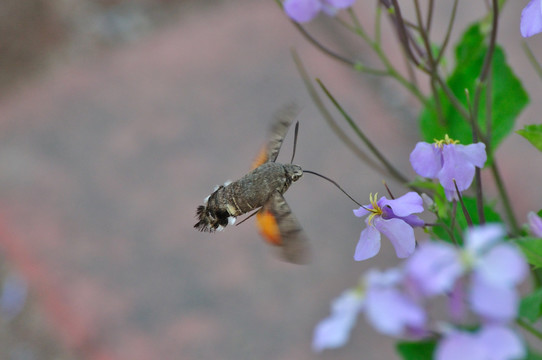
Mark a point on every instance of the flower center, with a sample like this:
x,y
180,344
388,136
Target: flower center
x,y
446,141
468,259
376,210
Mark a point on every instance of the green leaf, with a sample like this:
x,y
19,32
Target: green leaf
x,y
508,97
530,307
422,183
491,216
533,133
532,249
420,350
532,355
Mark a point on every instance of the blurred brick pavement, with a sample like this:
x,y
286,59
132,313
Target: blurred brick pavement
x,y
104,160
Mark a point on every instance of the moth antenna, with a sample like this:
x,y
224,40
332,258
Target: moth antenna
x,y
296,131
334,183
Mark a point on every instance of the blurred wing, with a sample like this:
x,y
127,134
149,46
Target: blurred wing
x,y
283,119
279,227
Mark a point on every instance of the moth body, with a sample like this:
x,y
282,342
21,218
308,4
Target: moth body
x,y
249,193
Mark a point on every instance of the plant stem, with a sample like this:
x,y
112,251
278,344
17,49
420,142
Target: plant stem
x,y
374,150
505,199
528,327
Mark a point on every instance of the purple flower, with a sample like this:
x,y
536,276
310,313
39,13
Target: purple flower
x,y
392,218
334,331
489,343
531,19
493,303
535,224
494,267
497,268
388,309
434,268
305,10
448,161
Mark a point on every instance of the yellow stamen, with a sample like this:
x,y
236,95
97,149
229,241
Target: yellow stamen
x,y
376,210
446,141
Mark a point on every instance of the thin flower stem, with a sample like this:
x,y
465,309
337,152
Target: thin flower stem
x,y
453,215
448,33
447,229
532,59
392,170
324,49
329,119
414,90
492,43
505,199
479,196
528,327
390,69
388,189
405,37
454,101
484,74
429,16
463,207
438,103
358,28
378,24
424,33
432,68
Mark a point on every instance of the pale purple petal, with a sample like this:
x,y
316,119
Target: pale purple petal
x,y
329,10
531,19
426,160
502,266
460,345
451,195
368,244
455,167
434,268
493,303
331,333
392,313
473,153
350,302
456,302
481,238
334,331
340,4
383,279
502,343
302,10
413,220
405,205
400,234
362,211
535,224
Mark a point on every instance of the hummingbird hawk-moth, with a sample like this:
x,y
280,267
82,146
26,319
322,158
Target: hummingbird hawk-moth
x,y
262,190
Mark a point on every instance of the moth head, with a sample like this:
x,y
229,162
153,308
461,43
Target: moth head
x,y
294,172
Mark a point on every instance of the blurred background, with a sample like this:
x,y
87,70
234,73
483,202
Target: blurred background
x,y
118,117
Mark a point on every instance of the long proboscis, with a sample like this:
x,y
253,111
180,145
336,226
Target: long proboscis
x,y
334,183
296,131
